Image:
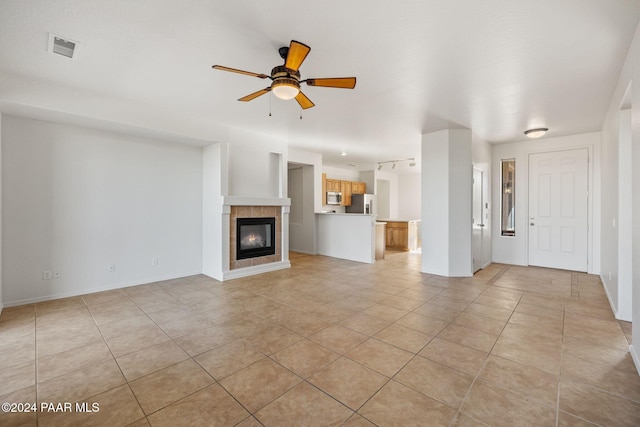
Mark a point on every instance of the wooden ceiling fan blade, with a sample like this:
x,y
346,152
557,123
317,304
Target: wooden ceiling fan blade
x,y
304,101
254,95
339,82
235,70
297,53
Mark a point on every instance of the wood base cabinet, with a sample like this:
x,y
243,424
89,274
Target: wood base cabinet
x,y
402,235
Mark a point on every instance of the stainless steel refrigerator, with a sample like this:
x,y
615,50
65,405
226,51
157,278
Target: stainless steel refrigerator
x,y
362,204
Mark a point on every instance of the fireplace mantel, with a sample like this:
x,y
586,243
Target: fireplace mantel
x,y
245,207
255,201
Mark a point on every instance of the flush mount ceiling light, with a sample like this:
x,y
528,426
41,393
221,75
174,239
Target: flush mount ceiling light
x,y
343,153
536,133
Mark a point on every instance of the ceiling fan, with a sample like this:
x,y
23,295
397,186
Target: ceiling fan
x,y
286,78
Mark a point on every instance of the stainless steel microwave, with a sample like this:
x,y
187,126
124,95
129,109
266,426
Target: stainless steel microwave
x,y
334,197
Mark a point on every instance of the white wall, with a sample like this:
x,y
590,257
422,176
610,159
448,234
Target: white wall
x,y
446,203
635,185
481,158
514,250
616,244
392,179
611,188
302,216
409,196
214,186
1,300
256,165
609,209
76,200
314,160
305,199
625,218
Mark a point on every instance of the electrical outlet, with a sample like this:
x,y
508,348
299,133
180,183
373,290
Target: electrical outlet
x,y
154,261
46,275
111,268
56,274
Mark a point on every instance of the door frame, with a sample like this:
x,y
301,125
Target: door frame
x,y
591,196
588,196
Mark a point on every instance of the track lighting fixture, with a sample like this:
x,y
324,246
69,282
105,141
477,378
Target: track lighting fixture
x,y
411,160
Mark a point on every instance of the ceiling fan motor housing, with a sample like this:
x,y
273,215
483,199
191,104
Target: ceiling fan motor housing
x,y
281,71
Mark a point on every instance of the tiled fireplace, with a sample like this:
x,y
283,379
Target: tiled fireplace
x,y
262,242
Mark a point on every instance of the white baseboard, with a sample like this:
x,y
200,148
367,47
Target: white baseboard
x,y
611,304
100,289
635,357
302,252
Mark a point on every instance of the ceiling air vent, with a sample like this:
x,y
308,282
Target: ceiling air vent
x,y
62,46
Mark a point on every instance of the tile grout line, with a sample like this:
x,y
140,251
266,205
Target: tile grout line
x,y
115,361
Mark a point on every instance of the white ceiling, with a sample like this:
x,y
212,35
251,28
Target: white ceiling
x,y
497,67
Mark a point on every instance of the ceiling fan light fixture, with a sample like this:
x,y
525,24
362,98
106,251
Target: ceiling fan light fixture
x,y
285,88
535,133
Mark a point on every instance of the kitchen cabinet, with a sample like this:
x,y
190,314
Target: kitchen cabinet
x,y
334,184
397,235
345,189
403,235
358,187
323,196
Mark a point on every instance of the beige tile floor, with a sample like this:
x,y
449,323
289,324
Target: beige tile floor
x,y
328,342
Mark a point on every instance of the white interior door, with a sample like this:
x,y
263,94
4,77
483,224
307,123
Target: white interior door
x,y
558,219
478,224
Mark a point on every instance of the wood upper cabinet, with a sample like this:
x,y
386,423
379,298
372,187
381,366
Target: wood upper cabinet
x,y
323,196
345,189
358,187
334,185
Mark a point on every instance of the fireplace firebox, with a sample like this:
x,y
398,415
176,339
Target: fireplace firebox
x,y
255,237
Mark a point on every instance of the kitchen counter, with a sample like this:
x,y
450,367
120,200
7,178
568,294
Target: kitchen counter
x,y
341,213
347,236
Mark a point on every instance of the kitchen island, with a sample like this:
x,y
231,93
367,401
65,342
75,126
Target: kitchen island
x,y
347,236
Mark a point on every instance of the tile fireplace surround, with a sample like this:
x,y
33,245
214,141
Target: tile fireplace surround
x,y
254,212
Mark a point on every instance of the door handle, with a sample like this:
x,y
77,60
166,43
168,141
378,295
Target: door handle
x,y
531,224
480,225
